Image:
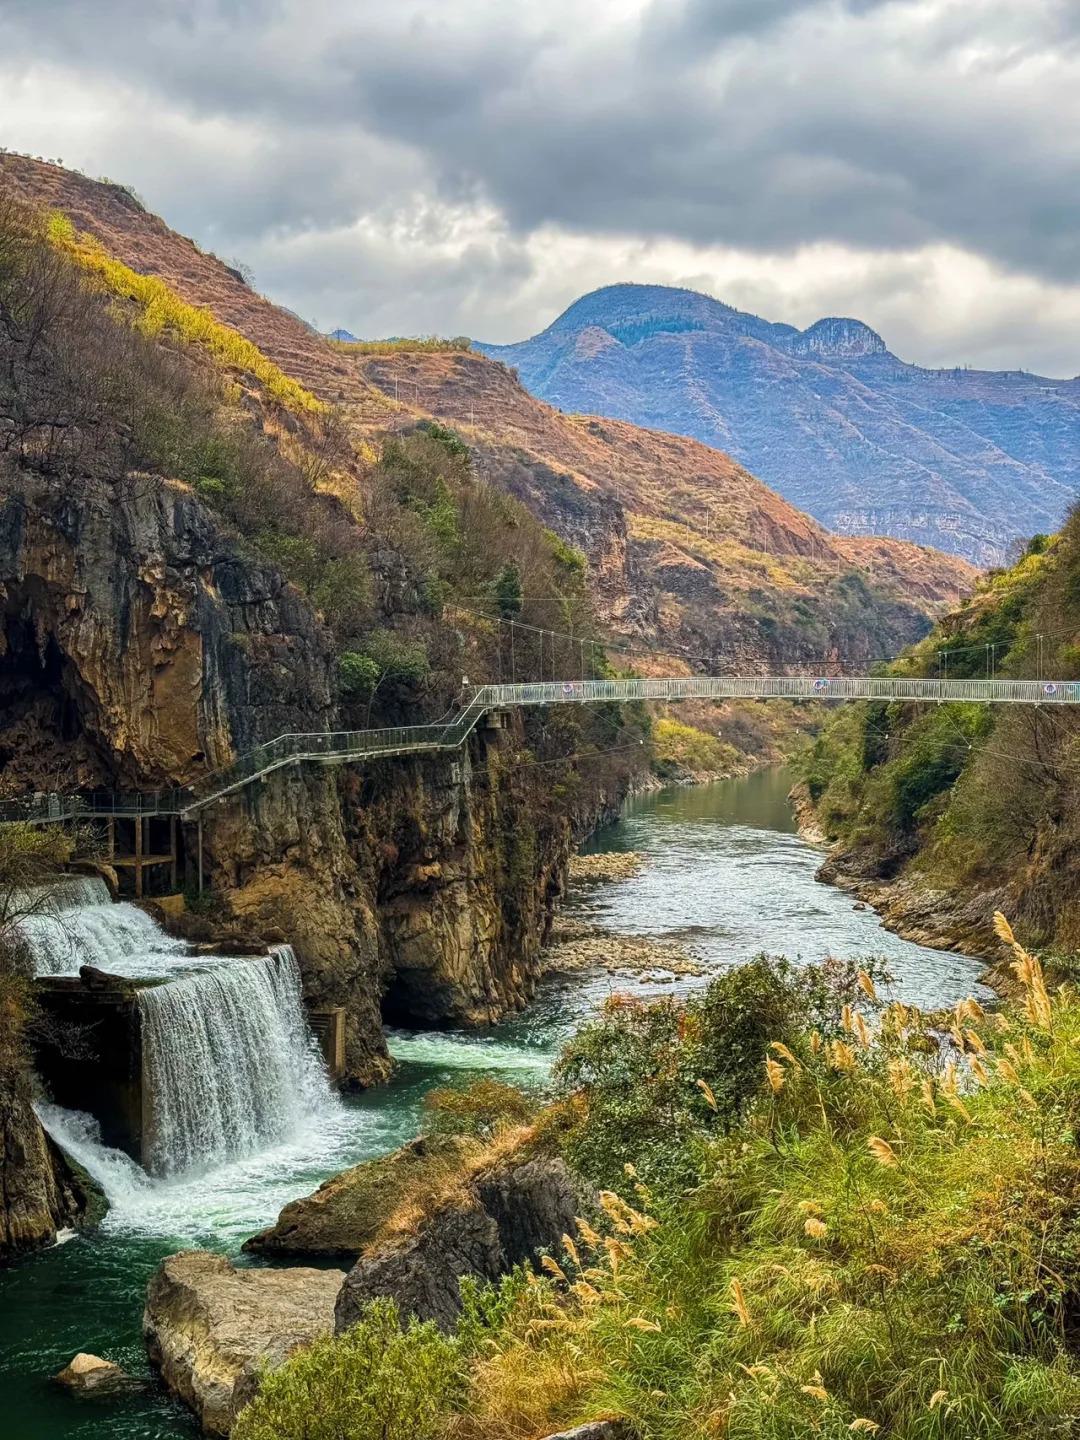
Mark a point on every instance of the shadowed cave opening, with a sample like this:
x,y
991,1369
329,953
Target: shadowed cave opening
x,y
46,728
412,1001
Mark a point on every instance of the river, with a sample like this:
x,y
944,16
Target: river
x,y
725,874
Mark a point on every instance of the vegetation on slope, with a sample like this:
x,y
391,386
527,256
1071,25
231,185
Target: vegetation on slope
x,y
160,310
423,573
685,752
821,1218
974,797
406,345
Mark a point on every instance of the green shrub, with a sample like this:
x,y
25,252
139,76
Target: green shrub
x,y
650,1078
679,749
479,1110
377,1381
358,674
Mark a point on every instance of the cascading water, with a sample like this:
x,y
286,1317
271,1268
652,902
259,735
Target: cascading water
x,y
76,923
229,1064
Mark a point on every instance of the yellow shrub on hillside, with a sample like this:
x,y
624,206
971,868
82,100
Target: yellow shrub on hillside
x,y
161,309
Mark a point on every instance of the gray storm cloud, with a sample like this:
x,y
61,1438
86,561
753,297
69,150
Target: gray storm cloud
x,y
764,127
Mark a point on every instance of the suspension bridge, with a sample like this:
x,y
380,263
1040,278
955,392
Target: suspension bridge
x,y
487,702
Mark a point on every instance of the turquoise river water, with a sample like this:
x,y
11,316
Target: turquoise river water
x,y
725,873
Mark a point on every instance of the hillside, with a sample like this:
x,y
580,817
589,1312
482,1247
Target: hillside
x,y
941,814
689,553
964,460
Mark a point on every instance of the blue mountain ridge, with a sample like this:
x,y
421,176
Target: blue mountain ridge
x,y
965,460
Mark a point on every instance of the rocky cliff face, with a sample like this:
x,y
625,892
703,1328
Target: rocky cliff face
x,y
141,646
416,890
41,1192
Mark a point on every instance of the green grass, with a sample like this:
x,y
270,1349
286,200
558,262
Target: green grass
x,y
883,1244
875,1235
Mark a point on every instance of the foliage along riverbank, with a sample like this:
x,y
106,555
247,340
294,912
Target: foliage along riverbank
x,y
820,1215
940,814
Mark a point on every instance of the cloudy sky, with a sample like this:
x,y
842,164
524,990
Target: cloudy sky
x,y
471,166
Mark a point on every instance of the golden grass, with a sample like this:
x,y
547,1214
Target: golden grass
x,y
160,310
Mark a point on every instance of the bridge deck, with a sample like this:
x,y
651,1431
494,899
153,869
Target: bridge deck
x,y
345,746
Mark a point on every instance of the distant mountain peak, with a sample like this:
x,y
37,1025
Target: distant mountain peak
x,y
632,314
965,460
837,338
615,307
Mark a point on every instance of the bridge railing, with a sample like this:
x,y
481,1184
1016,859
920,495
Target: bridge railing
x,y
449,734
53,805
335,745
784,687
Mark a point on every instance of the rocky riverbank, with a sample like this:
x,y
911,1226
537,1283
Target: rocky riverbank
x,y
909,905
575,947
212,1330
42,1190
601,869
414,1223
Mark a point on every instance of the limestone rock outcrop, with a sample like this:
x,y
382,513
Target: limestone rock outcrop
x,y
41,1190
140,644
500,1219
347,1212
211,1328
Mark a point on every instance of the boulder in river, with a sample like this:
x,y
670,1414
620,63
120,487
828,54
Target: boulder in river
x,y
499,1219
211,1328
348,1212
91,1375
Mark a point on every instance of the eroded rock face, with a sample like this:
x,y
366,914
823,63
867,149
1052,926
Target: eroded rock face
x,y
138,645
210,1328
415,890
41,1191
498,1221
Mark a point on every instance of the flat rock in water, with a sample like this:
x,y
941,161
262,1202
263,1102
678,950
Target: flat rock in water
x,y
598,869
211,1328
577,948
90,1374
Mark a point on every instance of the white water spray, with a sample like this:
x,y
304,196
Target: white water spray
x,y
229,1064
76,923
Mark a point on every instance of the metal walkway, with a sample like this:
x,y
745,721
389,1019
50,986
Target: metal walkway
x,y
345,746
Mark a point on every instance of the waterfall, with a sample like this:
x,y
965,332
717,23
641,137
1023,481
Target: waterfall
x,y
76,923
229,1064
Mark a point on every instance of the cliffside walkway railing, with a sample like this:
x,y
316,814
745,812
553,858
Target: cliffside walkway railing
x,y
342,747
